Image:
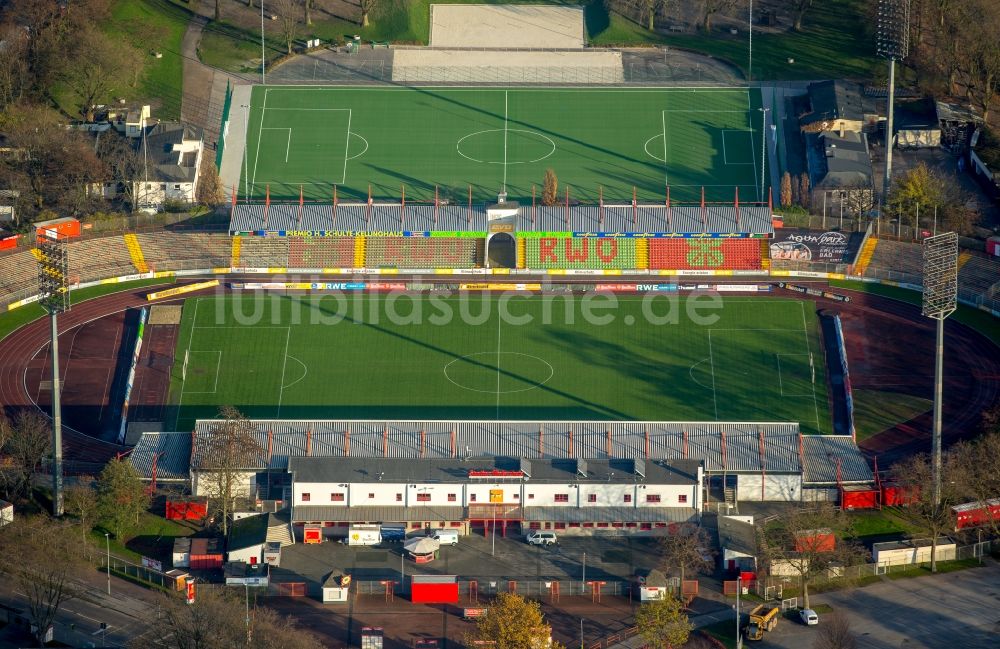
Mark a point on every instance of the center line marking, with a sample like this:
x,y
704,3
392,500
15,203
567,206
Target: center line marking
x,y
504,149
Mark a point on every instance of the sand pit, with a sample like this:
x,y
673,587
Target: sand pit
x,y
507,26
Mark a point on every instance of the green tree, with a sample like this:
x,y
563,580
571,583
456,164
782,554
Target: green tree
x,y
787,200
550,188
513,622
122,498
920,186
210,189
663,624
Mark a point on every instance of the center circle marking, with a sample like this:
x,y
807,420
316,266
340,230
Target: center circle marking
x,y
494,355
458,146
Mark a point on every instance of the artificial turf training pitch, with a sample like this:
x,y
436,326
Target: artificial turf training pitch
x,y
380,357
596,140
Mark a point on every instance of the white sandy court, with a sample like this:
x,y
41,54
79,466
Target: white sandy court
x,y
433,65
507,26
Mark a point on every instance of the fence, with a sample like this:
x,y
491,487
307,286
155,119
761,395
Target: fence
x,y
224,125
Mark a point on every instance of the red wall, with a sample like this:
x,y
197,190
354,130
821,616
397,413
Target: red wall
x,y
434,593
815,543
859,499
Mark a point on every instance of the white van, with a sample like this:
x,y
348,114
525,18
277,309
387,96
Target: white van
x,y
364,535
446,537
536,537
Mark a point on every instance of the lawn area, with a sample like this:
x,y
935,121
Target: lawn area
x,y
153,538
877,410
981,321
724,632
873,524
552,363
155,26
13,320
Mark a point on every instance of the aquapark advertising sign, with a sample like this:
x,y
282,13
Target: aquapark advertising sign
x,y
804,245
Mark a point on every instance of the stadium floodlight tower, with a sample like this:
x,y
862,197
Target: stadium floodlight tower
x,y
940,296
53,287
893,43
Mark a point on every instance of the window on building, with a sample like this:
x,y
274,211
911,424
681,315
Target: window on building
x,y
560,526
423,498
591,498
534,525
602,524
399,498
472,498
588,524
562,498
531,496
371,496
337,497
652,498
177,186
627,498
452,498
306,497
517,496
682,498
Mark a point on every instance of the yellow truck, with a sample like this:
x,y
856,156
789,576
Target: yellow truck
x,y
762,618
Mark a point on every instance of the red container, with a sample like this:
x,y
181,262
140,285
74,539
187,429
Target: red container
x,y
187,509
993,246
8,241
205,554
312,534
63,228
976,514
857,497
815,541
434,589
897,495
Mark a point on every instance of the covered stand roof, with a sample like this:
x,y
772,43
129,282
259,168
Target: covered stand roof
x,y
394,217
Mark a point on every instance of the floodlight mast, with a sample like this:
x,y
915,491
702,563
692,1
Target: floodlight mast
x,y
939,301
53,288
893,43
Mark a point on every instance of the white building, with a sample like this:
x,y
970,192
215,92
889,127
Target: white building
x,y
170,158
570,496
249,535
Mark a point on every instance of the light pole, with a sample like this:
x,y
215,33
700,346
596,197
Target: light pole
x,y
581,633
247,589
750,30
583,579
493,535
739,587
107,543
763,149
892,43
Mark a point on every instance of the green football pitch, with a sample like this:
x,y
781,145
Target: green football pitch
x,y
479,357
312,138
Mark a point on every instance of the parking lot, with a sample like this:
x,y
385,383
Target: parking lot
x,y
485,559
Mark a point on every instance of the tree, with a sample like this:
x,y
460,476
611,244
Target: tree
x,y
367,7
512,622
121,497
835,633
799,8
978,471
799,541
124,163
229,452
786,190
550,188
48,557
980,25
81,501
649,10
286,11
307,5
662,623
101,67
805,196
927,517
210,190
26,441
686,550
711,7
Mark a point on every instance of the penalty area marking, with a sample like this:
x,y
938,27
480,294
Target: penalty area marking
x,y
497,355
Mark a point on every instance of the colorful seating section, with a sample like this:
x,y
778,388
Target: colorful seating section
x,y
264,252
185,250
898,256
705,254
552,252
420,252
320,252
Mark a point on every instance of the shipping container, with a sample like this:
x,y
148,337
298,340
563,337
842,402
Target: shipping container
x,y
206,554
312,534
894,495
821,540
897,553
976,514
434,589
8,240
858,497
190,508
182,553
63,228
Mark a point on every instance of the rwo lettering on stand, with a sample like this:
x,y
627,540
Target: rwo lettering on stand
x,y
578,250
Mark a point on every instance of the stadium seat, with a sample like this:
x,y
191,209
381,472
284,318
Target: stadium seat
x,y
898,256
91,259
419,252
585,253
187,250
264,252
702,254
321,252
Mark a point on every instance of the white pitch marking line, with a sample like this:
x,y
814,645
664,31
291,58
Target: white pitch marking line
x,y
194,322
218,369
711,360
305,371
288,144
256,157
284,366
504,149
347,146
781,387
805,330
498,364
666,175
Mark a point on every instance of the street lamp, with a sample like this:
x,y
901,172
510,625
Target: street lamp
x,y
107,543
739,587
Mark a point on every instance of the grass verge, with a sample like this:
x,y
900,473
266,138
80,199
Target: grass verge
x,y
13,320
154,538
878,410
981,321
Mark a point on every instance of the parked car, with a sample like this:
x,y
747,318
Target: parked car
x,y
537,537
808,617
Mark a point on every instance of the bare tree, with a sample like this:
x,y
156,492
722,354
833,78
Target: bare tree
x,y
835,633
927,517
786,190
709,8
977,472
550,188
809,542
230,453
367,7
288,22
980,25
26,443
124,163
799,8
48,558
307,5
686,550
210,189
649,10
102,67
81,502
805,194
